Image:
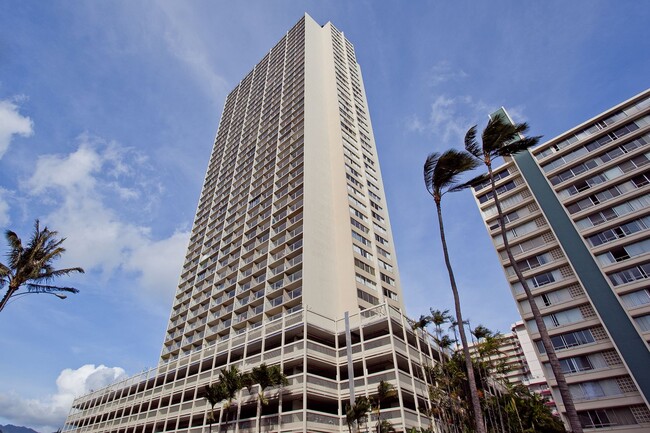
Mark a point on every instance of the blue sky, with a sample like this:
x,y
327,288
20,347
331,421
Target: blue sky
x,y
108,111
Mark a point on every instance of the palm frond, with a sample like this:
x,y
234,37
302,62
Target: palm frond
x,y
48,274
45,288
471,144
518,145
451,164
503,138
31,265
429,167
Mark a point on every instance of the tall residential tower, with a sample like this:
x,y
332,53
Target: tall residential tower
x,y
290,263
577,212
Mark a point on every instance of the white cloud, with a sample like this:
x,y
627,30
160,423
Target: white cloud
x,y
450,118
4,208
49,413
184,44
91,190
12,123
443,71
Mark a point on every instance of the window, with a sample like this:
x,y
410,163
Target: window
x,y
643,322
534,262
360,238
629,275
507,218
367,297
390,294
560,318
365,281
383,252
614,212
374,196
590,146
364,266
620,231
575,364
514,232
381,240
358,214
542,279
599,418
619,254
385,266
500,190
497,176
636,299
356,202
362,252
358,225
569,339
387,279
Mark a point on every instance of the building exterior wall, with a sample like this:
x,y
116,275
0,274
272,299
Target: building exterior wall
x,y
291,233
567,205
310,348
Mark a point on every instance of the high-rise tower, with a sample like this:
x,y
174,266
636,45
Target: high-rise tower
x,y
577,212
292,210
290,263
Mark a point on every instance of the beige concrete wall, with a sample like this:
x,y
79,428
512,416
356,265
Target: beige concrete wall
x,y
328,263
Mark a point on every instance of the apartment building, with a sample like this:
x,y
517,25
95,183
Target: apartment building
x,y
290,263
577,212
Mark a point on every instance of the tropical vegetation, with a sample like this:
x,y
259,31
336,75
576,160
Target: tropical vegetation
x,y
503,138
441,175
29,268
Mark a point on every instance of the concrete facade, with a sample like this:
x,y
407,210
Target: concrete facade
x,y
290,234
578,218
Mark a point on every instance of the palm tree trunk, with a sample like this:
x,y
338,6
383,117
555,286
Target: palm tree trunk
x,y
5,299
567,398
220,418
476,404
259,412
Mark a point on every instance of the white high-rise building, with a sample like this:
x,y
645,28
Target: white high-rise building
x,y
290,263
577,212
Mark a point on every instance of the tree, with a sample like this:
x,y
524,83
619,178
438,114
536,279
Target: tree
x,y
264,377
231,380
30,267
215,393
441,172
357,413
502,138
385,427
386,392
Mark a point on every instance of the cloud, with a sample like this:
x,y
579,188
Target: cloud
x,y
12,123
184,44
443,72
450,118
92,193
4,208
50,412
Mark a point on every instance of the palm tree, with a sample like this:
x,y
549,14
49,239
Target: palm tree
x,y
30,267
214,394
385,393
357,413
264,377
502,138
231,380
439,318
441,172
386,427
